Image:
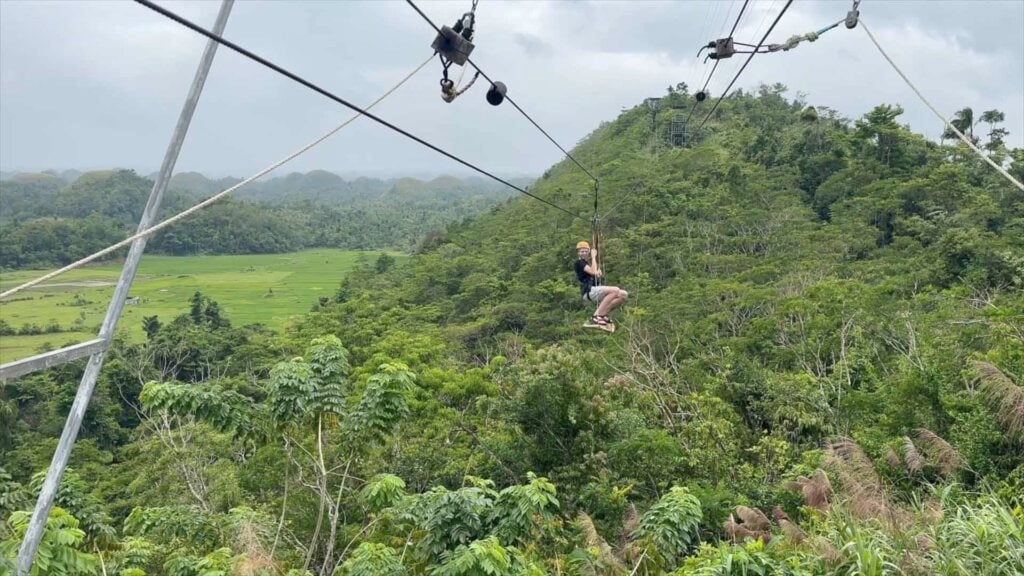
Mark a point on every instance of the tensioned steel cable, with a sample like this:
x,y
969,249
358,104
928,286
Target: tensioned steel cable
x,y
744,67
507,97
308,84
185,213
715,67
738,18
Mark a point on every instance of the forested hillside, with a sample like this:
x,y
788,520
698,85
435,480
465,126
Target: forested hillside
x,y
819,371
47,222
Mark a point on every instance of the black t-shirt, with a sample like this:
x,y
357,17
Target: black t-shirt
x,y
586,280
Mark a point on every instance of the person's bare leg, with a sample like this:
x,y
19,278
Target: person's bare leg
x,y
608,303
617,299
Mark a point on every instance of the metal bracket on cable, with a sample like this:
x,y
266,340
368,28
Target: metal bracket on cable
x,y
454,45
726,48
719,49
853,15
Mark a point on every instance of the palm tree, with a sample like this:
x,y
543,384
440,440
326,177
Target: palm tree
x,y
963,121
995,135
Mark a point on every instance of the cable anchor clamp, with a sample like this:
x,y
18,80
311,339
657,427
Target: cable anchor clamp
x,y
853,15
851,18
453,46
720,49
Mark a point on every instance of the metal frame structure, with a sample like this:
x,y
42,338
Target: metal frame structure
x,y
96,348
52,358
677,134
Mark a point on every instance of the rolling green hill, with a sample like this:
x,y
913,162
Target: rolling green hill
x,y
270,289
818,372
48,223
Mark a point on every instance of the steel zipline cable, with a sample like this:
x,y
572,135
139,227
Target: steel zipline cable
x,y
507,97
715,67
738,18
744,67
185,213
597,182
308,84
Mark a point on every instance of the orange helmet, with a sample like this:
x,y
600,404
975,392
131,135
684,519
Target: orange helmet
x,y
582,244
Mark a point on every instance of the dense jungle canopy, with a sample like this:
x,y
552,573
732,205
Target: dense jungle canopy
x,y
818,372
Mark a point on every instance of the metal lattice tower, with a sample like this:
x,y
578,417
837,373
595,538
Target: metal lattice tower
x,y
678,134
96,348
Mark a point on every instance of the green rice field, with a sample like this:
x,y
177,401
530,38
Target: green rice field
x,y
271,289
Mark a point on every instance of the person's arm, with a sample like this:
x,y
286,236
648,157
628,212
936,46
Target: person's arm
x,y
592,268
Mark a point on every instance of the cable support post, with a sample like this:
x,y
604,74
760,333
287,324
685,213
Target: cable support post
x,y
76,414
330,95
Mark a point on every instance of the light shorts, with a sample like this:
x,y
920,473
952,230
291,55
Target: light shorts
x,y
596,294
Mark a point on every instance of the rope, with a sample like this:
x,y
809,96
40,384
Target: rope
x,y
449,95
744,67
154,229
323,92
507,97
809,37
959,134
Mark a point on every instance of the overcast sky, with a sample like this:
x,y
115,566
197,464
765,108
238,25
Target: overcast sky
x,y
88,85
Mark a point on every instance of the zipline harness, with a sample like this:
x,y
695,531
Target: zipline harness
x,y
453,46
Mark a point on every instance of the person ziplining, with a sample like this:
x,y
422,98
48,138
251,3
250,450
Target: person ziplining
x,y
590,275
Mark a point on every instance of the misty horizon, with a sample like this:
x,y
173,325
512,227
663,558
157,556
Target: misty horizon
x,y
347,176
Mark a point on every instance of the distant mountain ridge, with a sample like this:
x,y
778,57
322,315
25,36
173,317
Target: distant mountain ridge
x,y
67,176
46,220
316,186
323,187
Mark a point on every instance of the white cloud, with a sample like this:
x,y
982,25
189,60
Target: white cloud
x,y
89,84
